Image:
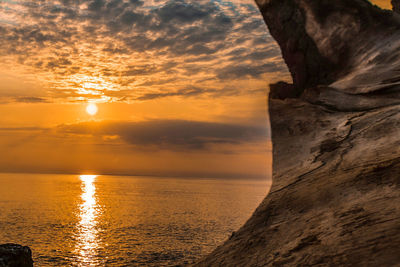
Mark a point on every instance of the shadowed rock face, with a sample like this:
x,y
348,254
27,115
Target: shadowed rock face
x,y
396,5
12,255
335,195
327,41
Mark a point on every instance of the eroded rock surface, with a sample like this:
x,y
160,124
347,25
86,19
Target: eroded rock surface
x,y
13,255
336,192
335,197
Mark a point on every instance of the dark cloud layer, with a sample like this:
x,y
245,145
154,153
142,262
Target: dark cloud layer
x,y
190,92
175,134
31,100
179,26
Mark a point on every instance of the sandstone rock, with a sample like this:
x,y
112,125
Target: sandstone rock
x,y
13,255
283,90
335,195
330,41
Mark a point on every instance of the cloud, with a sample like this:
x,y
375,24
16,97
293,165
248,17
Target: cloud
x,y
141,70
155,147
240,71
191,91
31,100
131,44
22,129
184,12
171,134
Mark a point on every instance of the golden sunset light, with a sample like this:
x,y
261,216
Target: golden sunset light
x,y
148,132
161,78
89,211
91,109
213,71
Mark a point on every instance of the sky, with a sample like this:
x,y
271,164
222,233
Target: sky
x,y
180,86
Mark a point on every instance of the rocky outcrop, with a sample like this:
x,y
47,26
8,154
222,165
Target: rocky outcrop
x,y
13,255
328,41
335,195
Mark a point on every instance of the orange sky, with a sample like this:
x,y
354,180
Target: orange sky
x,y
383,3
180,86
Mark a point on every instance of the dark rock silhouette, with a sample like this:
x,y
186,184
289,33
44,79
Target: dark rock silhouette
x,y
13,255
335,197
396,5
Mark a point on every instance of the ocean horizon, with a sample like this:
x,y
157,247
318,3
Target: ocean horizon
x,y
97,220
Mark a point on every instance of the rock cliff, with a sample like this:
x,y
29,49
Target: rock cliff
x,y
335,197
12,255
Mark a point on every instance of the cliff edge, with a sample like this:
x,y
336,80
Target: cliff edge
x,y
335,197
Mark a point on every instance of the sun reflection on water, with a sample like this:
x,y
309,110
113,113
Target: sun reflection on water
x,y
87,241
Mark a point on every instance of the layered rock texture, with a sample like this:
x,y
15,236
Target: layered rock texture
x,y
12,255
335,198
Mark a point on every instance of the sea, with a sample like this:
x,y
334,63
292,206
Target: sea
x,y
102,220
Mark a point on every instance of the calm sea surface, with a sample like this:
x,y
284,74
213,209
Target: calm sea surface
x,y
72,220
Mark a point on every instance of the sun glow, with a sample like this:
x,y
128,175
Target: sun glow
x,y
91,109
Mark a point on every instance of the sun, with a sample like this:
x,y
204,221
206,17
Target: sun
x,y
91,109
